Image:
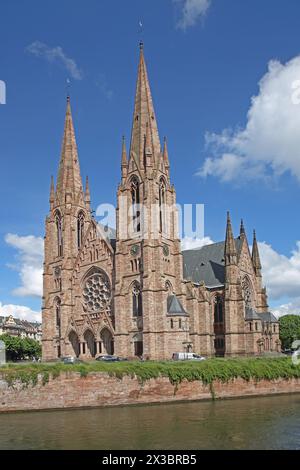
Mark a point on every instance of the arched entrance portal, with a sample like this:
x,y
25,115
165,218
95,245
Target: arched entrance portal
x,y
90,343
73,338
138,344
107,344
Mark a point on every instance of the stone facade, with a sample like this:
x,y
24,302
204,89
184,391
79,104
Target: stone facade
x,y
134,293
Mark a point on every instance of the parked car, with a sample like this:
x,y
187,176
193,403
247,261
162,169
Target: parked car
x,y
110,358
70,360
184,356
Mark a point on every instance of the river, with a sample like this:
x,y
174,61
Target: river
x,y
250,423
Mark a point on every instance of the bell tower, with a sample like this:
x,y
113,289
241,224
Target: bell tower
x,y
150,316
66,225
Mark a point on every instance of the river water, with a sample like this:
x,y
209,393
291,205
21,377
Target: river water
x,y
251,423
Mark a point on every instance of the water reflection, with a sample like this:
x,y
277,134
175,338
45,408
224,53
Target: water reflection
x,y
253,423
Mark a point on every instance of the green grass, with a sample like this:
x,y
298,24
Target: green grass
x,y
206,371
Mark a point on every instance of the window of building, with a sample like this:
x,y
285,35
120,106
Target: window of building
x,y
59,235
80,229
218,309
162,202
137,305
135,200
58,312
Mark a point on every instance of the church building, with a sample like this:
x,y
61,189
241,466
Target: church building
x,y
133,292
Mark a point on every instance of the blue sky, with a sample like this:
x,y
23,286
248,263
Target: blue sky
x,y
206,61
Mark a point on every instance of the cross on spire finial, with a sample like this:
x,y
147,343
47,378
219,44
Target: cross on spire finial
x,y
68,87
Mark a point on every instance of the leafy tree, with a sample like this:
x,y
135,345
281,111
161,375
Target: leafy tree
x,y
289,330
18,348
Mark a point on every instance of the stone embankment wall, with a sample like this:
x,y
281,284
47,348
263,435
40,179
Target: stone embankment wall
x,y
98,389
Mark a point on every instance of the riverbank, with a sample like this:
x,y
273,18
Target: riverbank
x,y
58,386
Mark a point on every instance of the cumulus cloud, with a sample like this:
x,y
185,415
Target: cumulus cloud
x,y
189,243
269,144
281,273
19,311
29,264
290,308
55,54
191,11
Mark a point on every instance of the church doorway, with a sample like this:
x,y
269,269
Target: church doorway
x,y
90,343
73,338
107,342
138,344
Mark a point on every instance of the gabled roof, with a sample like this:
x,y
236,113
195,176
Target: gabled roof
x,y
174,306
251,314
268,317
207,264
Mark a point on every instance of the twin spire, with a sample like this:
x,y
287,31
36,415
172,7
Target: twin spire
x,y
69,183
145,146
231,249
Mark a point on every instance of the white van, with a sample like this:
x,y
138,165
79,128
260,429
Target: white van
x,y
184,356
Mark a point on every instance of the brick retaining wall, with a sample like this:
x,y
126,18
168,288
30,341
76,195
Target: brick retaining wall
x,y
69,390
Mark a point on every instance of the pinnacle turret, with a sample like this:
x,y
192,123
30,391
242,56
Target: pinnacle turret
x,y
255,255
230,247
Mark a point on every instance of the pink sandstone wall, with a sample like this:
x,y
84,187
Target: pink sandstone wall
x,y
98,389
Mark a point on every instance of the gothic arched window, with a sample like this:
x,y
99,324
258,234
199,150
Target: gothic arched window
x,y
135,200
162,202
137,305
59,235
80,229
248,295
57,306
218,309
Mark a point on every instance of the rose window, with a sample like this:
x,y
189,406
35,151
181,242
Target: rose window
x,y
96,292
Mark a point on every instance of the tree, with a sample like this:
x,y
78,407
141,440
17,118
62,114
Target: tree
x,y
289,330
18,348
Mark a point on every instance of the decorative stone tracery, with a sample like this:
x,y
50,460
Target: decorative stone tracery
x,y
97,292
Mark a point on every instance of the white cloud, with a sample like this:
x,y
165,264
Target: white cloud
x,y
281,273
269,144
191,11
189,243
29,264
291,308
19,311
39,49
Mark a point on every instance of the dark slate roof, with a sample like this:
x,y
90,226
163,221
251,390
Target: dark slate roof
x,y
207,264
110,234
251,314
268,317
174,306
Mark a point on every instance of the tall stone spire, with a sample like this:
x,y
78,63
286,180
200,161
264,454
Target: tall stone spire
x,y
69,179
144,115
230,247
242,229
255,255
